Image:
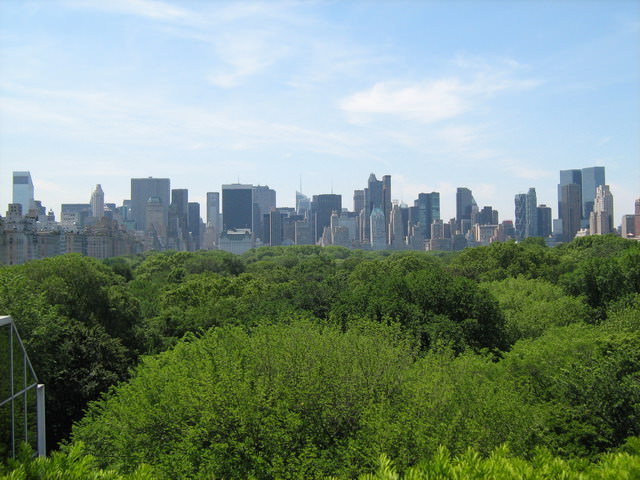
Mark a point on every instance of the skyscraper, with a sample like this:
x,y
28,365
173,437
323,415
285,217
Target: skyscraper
x,y
532,213
386,200
322,206
567,212
465,206
142,189
544,221
264,199
396,233
193,224
97,202
374,196
180,206
601,218
156,224
521,215
378,236
237,207
358,200
570,207
592,178
23,191
213,210
427,209
303,204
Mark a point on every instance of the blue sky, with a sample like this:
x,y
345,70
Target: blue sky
x,y
495,96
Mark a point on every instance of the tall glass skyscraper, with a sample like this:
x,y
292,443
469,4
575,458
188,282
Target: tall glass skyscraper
x,y
592,178
23,191
465,205
237,207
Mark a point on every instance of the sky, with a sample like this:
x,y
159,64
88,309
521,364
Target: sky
x,y
496,96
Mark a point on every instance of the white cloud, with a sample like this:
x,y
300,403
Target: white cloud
x,y
428,102
436,100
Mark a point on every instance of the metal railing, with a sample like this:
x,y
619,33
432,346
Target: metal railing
x,y
22,406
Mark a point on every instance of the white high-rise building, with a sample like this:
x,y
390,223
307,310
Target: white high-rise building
x,y
23,191
378,229
396,232
601,218
97,202
213,211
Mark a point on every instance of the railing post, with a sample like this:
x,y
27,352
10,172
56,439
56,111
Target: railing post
x,y
42,439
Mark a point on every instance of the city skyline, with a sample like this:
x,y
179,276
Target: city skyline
x,y
491,96
349,202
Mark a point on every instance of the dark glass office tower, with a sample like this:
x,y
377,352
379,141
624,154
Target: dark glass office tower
x,y
237,206
544,221
180,206
426,210
194,222
570,207
465,204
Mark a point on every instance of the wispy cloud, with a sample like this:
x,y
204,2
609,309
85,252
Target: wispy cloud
x,y
435,100
136,119
244,54
152,9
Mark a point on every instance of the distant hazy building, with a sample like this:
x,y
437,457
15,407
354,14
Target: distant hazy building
x,y
386,201
303,204
396,229
142,189
74,215
213,210
486,216
180,207
23,191
358,200
264,199
322,207
303,233
526,213
97,203
532,213
274,227
194,223
156,224
520,202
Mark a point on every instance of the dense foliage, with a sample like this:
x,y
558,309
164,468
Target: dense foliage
x,y
295,362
